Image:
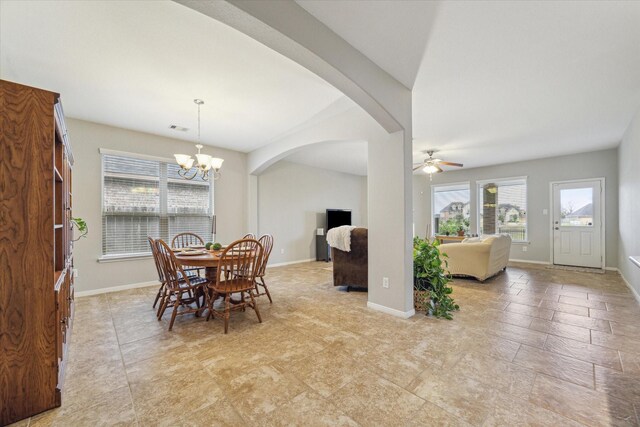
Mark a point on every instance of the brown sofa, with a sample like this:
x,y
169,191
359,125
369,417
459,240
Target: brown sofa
x,y
351,268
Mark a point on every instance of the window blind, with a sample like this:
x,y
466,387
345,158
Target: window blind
x,y
143,198
502,208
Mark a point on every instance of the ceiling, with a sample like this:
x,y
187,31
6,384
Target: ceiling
x,y
501,81
348,157
493,82
391,33
139,65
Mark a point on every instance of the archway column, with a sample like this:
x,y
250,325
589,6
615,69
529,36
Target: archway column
x,y
390,222
287,28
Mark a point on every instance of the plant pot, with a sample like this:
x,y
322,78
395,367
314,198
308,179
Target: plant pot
x,y
461,233
421,300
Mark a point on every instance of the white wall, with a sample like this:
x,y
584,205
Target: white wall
x,y
540,173
629,207
292,199
86,140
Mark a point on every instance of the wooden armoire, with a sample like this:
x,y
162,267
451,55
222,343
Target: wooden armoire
x,y
36,258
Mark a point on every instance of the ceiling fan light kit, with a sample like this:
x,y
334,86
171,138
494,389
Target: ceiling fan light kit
x,y
431,165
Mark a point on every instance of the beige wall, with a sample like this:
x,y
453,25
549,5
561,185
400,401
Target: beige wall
x,y
292,199
629,181
86,140
540,173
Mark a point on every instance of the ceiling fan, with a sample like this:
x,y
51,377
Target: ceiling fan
x,y
431,165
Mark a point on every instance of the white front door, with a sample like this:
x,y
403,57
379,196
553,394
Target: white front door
x,y
577,224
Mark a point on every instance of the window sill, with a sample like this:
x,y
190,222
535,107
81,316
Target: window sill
x,y
521,242
124,257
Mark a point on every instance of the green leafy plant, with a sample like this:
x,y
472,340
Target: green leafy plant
x,y
81,225
429,274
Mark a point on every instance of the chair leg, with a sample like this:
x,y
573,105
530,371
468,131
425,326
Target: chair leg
x,y
175,312
227,312
264,285
165,304
163,297
158,294
255,306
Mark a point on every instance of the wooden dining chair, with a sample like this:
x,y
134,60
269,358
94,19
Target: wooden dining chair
x,y
181,291
184,240
236,274
266,241
250,236
161,279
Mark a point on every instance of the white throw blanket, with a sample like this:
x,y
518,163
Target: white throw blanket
x,y
340,237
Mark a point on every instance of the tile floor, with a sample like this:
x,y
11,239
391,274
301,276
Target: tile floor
x,y
532,346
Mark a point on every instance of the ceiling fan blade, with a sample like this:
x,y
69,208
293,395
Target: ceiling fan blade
x,y
421,165
451,164
439,169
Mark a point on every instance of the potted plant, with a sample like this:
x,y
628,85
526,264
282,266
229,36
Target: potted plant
x,y
81,225
431,290
460,231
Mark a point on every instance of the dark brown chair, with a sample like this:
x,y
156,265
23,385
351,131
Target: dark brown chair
x,y
161,279
351,269
184,240
250,236
181,291
267,246
236,274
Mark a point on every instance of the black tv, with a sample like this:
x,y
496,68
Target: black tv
x,y
338,217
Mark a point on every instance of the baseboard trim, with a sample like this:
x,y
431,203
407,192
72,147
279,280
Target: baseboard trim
x,y
633,291
81,294
612,269
282,264
391,311
527,261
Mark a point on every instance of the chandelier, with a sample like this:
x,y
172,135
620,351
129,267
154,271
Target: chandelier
x,y
205,166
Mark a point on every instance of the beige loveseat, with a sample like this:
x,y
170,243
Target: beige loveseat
x,y
479,257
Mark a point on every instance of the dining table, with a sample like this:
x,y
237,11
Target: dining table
x,y
207,259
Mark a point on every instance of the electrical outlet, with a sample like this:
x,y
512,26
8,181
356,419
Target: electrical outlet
x,y
281,251
385,282
75,273
524,249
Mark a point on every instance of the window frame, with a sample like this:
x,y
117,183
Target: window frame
x,y
451,186
480,183
163,212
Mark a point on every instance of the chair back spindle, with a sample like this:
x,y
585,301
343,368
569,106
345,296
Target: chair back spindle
x,y
240,259
184,240
267,246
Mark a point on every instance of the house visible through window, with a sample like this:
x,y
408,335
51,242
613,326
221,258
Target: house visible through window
x,y
451,208
502,208
143,198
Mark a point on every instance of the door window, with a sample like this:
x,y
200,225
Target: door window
x,y
576,207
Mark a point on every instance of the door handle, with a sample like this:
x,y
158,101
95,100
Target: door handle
x,y
556,228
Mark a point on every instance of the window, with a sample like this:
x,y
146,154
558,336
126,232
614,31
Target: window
x,y
502,207
576,207
143,198
450,208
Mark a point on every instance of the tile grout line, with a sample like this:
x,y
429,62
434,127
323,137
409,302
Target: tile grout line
x,y
133,406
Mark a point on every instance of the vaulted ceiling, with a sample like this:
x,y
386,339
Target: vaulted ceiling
x,y
502,81
140,64
492,81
